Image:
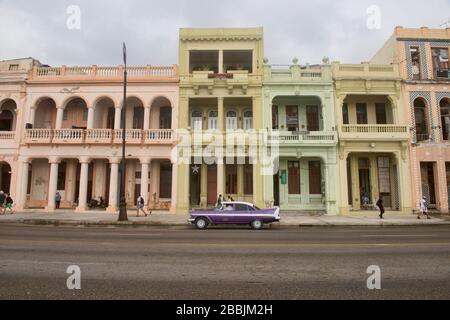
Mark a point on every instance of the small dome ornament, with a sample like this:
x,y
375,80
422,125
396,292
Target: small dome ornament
x,y
295,60
266,60
326,60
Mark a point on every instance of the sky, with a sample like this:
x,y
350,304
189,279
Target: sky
x,y
348,31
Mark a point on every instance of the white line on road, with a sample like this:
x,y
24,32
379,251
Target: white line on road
x,y
396,235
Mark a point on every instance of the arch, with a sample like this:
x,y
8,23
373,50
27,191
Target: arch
x,y
45,113
103,97
134,96
444,111
162,100
75,113
68,100
10,99
39,100
103,113
421,119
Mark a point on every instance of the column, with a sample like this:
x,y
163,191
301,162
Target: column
x,y
355,182
144,180
220,115
32,115
117,117
183,188
240,181
342,185
374,192
113,184
173,204
404,181
59,117
22,186
221,177
52,183
146,117
221,61
90,119
82,198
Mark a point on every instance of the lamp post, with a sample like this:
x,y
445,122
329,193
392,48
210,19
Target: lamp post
x,y
123,203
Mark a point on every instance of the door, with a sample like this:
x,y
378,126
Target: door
x,y
194,185
312,118
361,113
276,189
212,120
231,120
212,185
428,187
364,181
292,118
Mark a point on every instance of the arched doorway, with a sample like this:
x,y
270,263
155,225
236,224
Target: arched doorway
x,y
45,115
444,107
7,115
75,114
5,177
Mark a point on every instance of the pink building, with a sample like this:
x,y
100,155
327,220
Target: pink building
x,y
65,136
423,58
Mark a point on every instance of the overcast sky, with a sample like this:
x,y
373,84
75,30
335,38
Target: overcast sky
x,y
306,29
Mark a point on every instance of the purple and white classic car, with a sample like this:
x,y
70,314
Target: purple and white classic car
x,y
234,212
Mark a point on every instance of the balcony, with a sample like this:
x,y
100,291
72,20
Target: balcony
x,y
373,132
296,73
98,136
231,79
104,74
365,71
289,138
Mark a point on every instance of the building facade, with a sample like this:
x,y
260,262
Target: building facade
x,y
422,55
298,108
373,137
220,108
68,137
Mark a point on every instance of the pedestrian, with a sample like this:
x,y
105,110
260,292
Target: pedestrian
x,y
9,204
230,198
423,208
2,201
57,200
219,201
140,205
380,206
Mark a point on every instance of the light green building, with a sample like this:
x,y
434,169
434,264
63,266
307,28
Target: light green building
x,y
298,110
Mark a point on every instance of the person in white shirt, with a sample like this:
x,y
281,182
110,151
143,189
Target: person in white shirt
x,y
423,208
140,206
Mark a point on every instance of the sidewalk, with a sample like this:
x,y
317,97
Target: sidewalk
x,y
161,218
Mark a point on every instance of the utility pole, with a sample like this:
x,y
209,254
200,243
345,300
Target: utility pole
x,y
123,203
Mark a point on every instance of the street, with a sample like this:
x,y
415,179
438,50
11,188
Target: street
x,y
224,263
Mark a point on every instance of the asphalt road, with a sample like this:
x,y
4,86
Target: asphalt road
x,y
183,263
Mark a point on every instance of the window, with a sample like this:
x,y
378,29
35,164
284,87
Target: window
x,y
274,117
231,183
196,120
380,111
361,113
420,120
13,67
212,120
231,120
248,120
315,177
312,118
440,62
415,63
238,60
204,60
248,179
445,118
293,177
240,207
292,118
345,113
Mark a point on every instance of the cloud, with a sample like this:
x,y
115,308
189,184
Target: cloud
x,y
308,30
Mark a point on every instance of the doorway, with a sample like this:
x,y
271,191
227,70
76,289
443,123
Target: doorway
x,y
194,185
364,182
276,189
212,185
427,178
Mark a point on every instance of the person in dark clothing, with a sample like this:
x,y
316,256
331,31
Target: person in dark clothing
x,y
219,201
380,206
2,201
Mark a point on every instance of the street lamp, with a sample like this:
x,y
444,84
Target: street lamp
x,y
123,203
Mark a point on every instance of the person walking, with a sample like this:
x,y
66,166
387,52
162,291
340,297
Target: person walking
x,y
219,201
57,200
9,204
140,206
423,208
2,201
380,206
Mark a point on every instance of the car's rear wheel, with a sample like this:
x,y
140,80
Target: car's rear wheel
x,y
256,224
201,223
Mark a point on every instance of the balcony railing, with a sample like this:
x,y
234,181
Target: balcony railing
x,y
103,73
374,132
7,135
312,137
98,136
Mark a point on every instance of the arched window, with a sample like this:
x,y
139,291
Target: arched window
x,y
6,120
445,118
212,120
196,120
231,120
248,120
420,118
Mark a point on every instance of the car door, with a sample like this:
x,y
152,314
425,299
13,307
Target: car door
x,y
227,214
241,213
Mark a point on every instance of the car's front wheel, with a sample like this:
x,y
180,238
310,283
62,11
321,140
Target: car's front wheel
x,y
256,224
201,223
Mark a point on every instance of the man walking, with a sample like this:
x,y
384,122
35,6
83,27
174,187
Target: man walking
x,y
140,205
380,206
423,208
